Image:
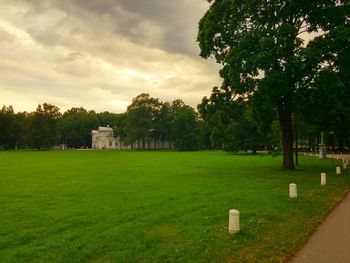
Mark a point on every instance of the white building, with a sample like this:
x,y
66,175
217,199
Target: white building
x,y
103,138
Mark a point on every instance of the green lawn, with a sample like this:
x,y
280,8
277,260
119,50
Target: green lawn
x,y
95,206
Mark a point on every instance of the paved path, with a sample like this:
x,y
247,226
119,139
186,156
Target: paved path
x,y
335,156
339,156
331,241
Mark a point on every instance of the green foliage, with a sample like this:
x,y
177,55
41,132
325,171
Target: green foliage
x,y
149,119
7,123
146,120
44,126
243,135
119,127
231,122
185,130
75,127
141,118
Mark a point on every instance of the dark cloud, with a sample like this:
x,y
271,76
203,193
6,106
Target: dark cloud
x,y
176,21
179,19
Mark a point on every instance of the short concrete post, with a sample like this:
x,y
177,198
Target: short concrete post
x,y
323,179
233,224
338,171
293,191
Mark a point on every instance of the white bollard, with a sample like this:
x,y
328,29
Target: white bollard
x,y
293,191
323,179
233,224
337,170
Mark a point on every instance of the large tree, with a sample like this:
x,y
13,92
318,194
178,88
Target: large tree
x,y
141,117
263,51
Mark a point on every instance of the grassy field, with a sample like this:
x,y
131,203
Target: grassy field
x,y
95,206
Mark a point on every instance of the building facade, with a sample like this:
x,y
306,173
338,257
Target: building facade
x,y
103,138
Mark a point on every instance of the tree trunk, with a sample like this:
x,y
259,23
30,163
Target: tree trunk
x,y
169,143
155,143
285,117
341,142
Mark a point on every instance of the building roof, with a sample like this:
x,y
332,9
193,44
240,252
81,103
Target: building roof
x,y
108,129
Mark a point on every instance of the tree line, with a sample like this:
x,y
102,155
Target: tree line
x,y
237,124
146,119
221,122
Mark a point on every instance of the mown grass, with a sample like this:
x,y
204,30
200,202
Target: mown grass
x,y
96,206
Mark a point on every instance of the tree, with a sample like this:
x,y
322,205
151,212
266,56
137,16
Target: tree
x,y
244,134
119,128
21,130
163,123
7,127
217,111
231,122
260,46
185,129
141,116
75,127
330,115
44,126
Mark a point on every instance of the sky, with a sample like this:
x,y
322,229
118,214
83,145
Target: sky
x,y
99,54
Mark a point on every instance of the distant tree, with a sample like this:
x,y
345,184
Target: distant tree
x,y
185,128
218,111
327,108
244,134
141,116
163,124
44,126
7,128
120,128
231,122
203,135
22,130
107,118
75,127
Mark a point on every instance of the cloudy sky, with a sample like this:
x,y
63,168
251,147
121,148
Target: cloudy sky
x,y
99,54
